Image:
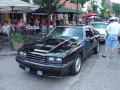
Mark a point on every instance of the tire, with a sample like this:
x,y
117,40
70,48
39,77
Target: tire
x,y
75,68
102,42
97,49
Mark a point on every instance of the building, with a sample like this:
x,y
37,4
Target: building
x,y
68,4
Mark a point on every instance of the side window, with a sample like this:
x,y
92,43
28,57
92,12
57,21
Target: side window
x,y
89,33
95,32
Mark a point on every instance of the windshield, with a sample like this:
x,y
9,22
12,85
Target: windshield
x,y
76,33
99,25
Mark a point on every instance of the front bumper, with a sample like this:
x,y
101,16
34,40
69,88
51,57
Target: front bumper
x,y
102,37
47,69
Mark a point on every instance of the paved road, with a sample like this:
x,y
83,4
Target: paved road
x,y
97,73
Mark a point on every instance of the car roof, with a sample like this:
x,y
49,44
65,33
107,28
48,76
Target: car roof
x,y
99,22
74,26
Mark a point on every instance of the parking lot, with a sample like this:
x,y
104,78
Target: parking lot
x,y
97,73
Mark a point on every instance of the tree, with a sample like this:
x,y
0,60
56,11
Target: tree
x,y
94,6
49,6
26,0
81,2
103,8
116,8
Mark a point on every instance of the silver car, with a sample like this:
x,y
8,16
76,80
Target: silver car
x,y
100,27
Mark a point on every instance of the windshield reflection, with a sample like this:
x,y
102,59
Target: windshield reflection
x,y
99,25
76,33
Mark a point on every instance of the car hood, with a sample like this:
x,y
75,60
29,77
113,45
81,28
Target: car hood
x,y
50,45
101,31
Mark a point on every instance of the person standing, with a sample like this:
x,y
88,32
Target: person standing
x,y
6,28
44,26
21,27
112,30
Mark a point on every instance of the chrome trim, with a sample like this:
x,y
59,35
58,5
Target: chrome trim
x,y
50,65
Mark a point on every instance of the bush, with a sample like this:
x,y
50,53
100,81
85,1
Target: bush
x,y
17,38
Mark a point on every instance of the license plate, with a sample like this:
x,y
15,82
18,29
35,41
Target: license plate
x,y
27,69
40,73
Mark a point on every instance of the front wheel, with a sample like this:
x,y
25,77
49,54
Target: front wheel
x,y
97,49
75,69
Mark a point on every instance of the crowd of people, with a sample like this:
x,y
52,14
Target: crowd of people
x,y
9,28
31,26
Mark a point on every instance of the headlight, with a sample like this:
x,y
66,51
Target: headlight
x,y
54,60
51,59
59,60
22,53
102,34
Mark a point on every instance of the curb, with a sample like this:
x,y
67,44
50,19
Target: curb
x,y
8,53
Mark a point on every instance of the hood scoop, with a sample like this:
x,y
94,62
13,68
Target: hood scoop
x,y
54,45
38,50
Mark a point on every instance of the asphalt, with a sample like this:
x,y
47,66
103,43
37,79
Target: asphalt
x,y
97,73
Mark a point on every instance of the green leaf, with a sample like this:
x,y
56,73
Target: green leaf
x,y
17,37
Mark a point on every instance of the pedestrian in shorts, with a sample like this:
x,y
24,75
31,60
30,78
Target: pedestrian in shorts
x,y
113,31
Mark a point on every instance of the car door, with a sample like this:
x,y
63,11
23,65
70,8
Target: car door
x,y
96,37
89,40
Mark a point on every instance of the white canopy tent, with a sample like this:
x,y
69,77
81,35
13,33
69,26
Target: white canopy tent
x,y
14,3
18,9
16,6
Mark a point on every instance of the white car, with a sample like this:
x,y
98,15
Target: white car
x,y
100,27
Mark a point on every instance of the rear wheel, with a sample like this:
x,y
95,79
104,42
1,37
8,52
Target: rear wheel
x,y
75,69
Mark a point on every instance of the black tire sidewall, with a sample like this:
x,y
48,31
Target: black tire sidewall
x,y
96,51
73,71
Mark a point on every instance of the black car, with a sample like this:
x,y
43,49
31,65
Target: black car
x,y
60,52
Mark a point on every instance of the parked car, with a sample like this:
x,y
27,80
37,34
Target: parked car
x,y
100,27
60,52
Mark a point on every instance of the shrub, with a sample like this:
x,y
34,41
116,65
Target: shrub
x,y
17,37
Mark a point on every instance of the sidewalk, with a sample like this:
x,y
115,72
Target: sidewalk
x,y
6,50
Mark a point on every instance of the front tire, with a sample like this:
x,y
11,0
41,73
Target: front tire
x,y
97,49
75,69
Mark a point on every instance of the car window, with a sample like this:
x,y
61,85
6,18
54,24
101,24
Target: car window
x,y
89,33
96,32
99,25
73,32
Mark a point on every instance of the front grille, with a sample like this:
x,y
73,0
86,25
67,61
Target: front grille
x,y
102,35
35,58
